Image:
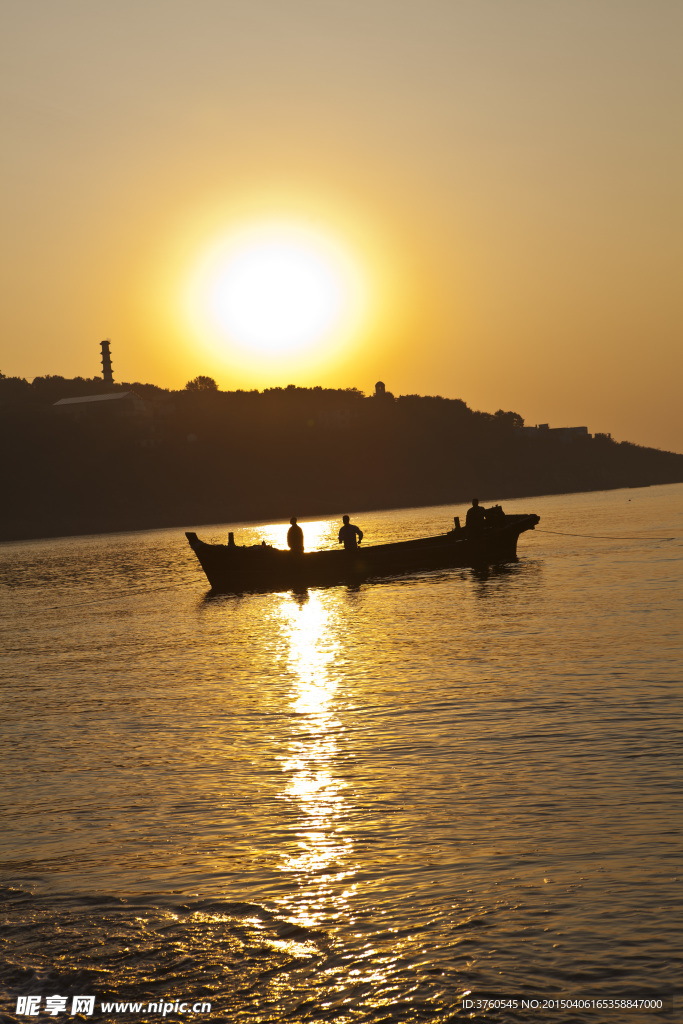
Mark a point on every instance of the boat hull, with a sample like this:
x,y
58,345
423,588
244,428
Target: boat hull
x,y
231,569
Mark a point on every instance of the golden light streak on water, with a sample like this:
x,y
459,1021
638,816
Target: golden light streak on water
x,y
324,854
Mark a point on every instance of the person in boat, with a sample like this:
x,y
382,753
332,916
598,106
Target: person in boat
x,y
348,534
476,517
295,538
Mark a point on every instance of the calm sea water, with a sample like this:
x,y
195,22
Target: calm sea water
x,y
355,804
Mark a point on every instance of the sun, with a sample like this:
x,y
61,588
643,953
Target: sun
x,y
276,288
277,293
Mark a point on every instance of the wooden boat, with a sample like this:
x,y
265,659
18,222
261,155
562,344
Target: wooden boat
x,y
230,568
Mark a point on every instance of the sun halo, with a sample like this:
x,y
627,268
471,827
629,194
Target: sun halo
x,y
276,290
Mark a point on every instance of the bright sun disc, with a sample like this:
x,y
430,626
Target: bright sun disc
x,y
276,289
277,295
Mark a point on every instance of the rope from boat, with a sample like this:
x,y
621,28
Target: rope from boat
x,y
601,536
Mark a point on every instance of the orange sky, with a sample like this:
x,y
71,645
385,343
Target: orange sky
x,y
507,176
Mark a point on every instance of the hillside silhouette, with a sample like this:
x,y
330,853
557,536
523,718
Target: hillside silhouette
x,y
141,457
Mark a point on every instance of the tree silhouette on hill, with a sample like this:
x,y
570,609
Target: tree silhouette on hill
x,y
201,383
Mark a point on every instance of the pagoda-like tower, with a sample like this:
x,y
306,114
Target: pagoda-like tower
x,y
107,374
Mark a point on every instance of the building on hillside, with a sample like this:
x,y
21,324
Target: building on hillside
x,y
120,405
381,391
543,430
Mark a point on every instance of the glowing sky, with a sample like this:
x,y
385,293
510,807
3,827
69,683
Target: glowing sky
x,y
502,177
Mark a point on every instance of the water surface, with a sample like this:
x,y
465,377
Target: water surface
x,y
356,804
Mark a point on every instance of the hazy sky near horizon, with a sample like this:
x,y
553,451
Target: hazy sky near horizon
x,y
502,177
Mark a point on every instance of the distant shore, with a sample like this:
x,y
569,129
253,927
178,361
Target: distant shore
x,y
82,458
169,523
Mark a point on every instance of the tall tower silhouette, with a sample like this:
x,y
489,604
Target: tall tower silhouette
x,y
107,375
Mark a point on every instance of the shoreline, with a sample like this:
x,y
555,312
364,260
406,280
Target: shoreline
x,y
178,523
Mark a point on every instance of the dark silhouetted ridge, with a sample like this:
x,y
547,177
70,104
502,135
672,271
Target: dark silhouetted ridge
x,y
155,458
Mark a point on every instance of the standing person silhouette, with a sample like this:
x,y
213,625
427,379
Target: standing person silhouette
x,y
295,538
476,517
348,534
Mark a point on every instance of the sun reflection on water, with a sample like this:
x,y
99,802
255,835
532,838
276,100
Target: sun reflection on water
x,y
322,850
319,534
